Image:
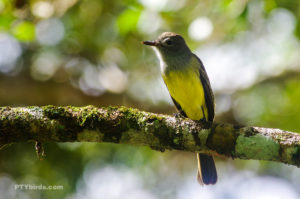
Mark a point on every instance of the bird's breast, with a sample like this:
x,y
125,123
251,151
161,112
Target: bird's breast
x,y
186,89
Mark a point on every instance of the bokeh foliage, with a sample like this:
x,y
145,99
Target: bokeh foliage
x,y
80,52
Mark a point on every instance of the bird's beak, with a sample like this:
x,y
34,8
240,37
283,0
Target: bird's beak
x,y
150,43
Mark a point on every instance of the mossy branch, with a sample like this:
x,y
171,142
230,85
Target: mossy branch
x,y
160,132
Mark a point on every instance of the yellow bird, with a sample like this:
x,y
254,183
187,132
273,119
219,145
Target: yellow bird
x,y
190,90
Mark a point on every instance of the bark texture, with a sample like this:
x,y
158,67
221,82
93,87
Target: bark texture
x,y
160,132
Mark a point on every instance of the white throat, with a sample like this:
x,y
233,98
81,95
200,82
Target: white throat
x,y
162,63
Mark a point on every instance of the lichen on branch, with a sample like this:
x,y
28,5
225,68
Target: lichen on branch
x,y
160,132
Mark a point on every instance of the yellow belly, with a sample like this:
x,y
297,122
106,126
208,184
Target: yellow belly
x,y
186,88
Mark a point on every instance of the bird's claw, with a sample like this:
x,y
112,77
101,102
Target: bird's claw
x,y
204,124
178,115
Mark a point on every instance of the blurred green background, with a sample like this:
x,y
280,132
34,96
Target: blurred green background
x,y
72,52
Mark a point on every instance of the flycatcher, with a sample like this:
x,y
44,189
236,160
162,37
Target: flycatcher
x,y
190,90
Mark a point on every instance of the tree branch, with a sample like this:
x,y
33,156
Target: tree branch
x,y
160,132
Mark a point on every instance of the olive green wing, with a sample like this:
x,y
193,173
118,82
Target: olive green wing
x,y
178,107
209,96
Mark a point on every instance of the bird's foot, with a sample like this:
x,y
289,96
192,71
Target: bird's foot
x,y
178,115
204,124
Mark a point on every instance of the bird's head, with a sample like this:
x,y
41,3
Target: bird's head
x,y
169,45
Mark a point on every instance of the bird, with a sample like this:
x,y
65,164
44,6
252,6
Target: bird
x,y
189,87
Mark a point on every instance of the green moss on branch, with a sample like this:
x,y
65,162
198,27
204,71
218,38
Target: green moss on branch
x,y
160,132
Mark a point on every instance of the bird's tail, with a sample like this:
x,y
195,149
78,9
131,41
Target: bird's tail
x,y
207,173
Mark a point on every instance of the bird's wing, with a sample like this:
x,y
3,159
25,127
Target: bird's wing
x,y
178,107
209,96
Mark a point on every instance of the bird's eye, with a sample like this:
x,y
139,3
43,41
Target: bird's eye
x,y
168,42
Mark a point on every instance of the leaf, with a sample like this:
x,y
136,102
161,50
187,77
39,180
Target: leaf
x,y
24,31
5,21
127,21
